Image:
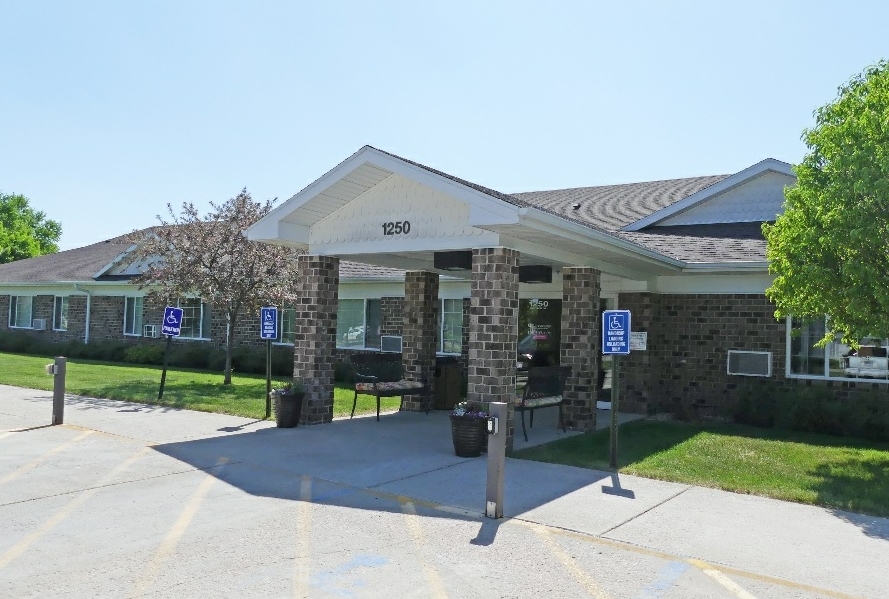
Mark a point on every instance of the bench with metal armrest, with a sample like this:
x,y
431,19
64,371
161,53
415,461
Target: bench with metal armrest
x,y
382,375
543,389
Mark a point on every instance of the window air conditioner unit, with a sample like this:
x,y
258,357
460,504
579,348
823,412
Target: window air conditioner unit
x,y
749,363
390,344
38,324
150,330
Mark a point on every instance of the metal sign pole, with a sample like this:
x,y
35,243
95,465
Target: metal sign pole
x,y
268,378
160,394
615,392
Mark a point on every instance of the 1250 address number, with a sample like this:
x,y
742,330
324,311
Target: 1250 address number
x,y
397,228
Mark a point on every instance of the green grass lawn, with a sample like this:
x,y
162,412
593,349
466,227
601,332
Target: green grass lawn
x,y
191,389
833,472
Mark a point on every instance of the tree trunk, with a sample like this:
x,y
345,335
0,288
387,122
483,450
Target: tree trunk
x,y
229,343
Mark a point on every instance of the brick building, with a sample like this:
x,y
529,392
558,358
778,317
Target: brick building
x,y
395,249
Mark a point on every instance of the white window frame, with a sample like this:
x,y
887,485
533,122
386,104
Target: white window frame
x,y
286,313
15,302
203,313
441,325
138,303
828,354
60,305
364,305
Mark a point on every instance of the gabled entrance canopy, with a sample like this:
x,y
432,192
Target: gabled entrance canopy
x,y
384,210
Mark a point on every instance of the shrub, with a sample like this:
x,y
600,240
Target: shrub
x,y
145,354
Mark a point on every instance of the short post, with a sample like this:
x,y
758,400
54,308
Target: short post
x,y
496,460
58,391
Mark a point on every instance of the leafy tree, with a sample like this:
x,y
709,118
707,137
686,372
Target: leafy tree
x,y
209,256
25,232
829,250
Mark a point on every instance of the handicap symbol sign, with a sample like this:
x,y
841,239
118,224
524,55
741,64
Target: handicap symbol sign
x,y
268,322
616,332
172,321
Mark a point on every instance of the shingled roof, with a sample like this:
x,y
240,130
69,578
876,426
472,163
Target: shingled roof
x,y
724,242
77,265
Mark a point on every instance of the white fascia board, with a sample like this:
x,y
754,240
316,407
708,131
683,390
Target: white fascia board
x,y
751,172
569,258
400,246
745,267
543,221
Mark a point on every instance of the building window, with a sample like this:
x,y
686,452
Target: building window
x,y
132,316
835,359
358,324
60,313
20,311
195,318
287,324
450,320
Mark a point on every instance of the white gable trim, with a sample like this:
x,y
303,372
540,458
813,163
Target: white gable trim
x,y
484,209
739,178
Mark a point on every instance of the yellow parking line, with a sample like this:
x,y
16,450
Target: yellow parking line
x,y
36,462
585,580
22,546
412,520
6,434
168,545
721,578
303,537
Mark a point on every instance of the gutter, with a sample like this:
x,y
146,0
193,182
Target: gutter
x,y
89,297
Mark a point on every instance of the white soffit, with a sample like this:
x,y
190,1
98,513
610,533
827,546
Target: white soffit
x,y
754,194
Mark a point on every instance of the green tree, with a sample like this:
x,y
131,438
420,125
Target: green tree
x,y
25,232
829,250
209,256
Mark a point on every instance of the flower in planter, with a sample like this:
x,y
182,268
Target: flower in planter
x,y
470,410
288,388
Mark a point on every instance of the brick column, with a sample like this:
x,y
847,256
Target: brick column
x,y
315,335
580,345
420,333
493,329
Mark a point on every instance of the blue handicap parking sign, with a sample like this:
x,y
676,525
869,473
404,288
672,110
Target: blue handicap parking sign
x,y
616,332
268,322
172,321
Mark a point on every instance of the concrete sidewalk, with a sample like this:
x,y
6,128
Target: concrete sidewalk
x,y
408,455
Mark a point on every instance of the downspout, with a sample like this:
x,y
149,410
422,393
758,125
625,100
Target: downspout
x,y
89,297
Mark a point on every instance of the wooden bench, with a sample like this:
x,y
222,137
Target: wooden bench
x,y
382,375
543,390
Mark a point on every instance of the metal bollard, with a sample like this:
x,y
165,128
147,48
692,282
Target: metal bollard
x,y
57,369
496,460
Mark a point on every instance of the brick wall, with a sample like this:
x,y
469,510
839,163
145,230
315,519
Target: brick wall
x,y
684,369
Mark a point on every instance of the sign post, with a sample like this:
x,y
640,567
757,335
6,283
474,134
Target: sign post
x,y
268,330
616,343
171,327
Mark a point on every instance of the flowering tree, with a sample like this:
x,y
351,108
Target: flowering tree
x,y
210,256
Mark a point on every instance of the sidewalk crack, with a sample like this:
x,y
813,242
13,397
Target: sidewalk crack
x,y
642,513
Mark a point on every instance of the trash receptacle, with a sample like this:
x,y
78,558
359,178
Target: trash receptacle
x,y
447,383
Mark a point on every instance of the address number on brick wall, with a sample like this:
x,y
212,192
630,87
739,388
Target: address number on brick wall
x,y
401,227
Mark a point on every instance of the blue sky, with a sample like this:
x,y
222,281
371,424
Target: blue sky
x,y
111,110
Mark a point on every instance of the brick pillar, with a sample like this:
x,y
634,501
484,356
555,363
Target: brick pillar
x,y
493,329
420,333
639,370
580,345
315,335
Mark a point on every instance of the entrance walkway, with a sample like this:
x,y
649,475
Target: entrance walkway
x,y
121,501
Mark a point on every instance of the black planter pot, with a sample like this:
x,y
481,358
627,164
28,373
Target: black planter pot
x,y
288,408
469,436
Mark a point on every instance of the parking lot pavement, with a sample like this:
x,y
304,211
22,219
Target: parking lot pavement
x,y
127,500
